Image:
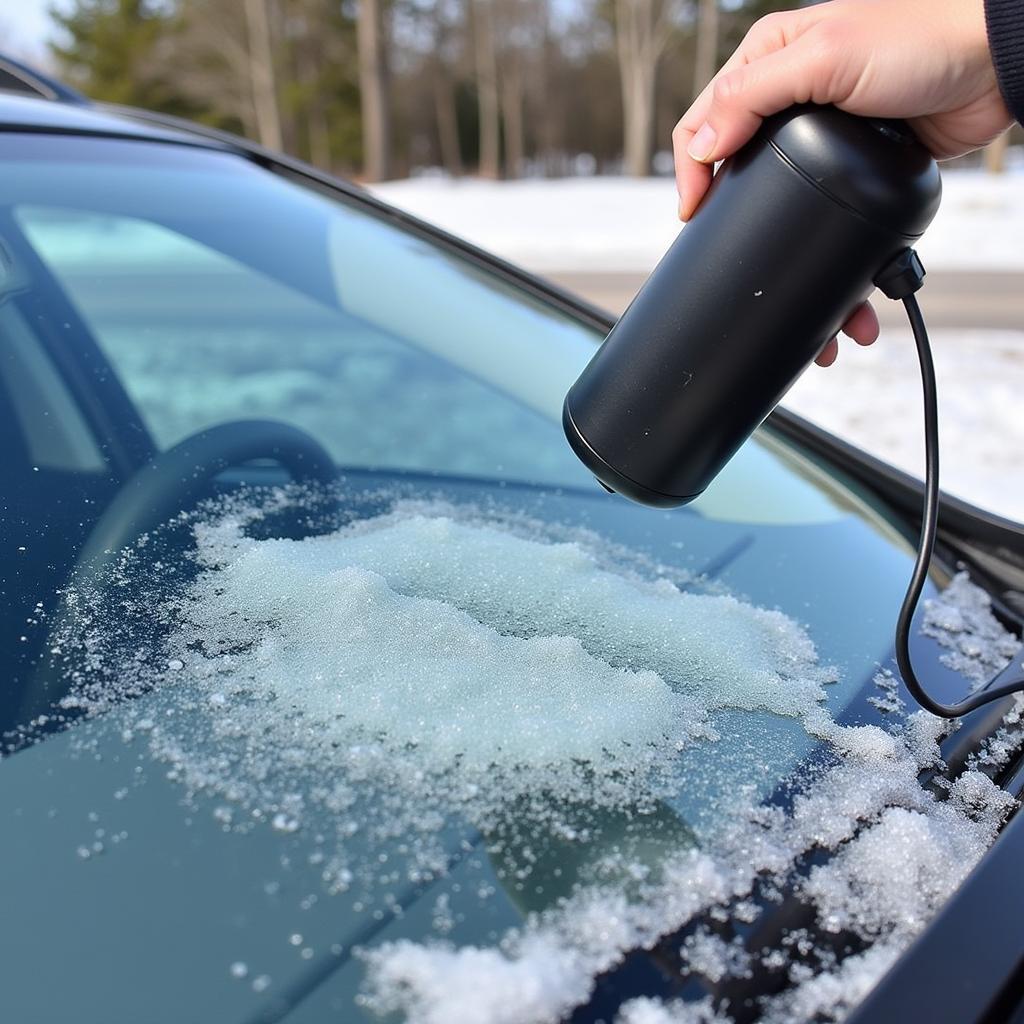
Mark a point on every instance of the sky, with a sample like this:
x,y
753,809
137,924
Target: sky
x,y
24,27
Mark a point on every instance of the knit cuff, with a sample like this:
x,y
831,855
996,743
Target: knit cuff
x,y
1005,22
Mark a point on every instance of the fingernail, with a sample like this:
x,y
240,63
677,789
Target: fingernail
x,y
703,143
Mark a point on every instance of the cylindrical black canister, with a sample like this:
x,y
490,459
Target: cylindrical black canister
x,y
786,244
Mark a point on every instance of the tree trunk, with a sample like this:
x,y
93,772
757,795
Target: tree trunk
x,y
638,123
707,45
443,85
548,124
373,91
639,41
447,120
262,80
318,130
487,89
995,154
512,108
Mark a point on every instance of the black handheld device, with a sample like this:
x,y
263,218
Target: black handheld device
x,y
788,241
796,230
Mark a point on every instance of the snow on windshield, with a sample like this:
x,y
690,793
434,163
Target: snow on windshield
x,y
902,852
432,662
961,620
474,643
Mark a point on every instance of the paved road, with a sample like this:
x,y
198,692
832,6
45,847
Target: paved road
x,y
949,299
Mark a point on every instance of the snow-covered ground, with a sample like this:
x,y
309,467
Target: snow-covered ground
x,y
872,396
623,224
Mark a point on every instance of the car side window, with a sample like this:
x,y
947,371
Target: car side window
x,y
199,337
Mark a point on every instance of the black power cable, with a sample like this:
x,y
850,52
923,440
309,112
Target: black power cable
x,y
900,280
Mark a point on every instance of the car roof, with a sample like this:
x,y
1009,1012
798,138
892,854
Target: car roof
x,y
20,112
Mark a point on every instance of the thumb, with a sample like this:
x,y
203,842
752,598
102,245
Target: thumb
x,y
742,97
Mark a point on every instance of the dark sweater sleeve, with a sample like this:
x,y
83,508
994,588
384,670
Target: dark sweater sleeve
x,y
1005,21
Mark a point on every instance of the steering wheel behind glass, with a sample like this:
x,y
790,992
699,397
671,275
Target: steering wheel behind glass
x,y
173,481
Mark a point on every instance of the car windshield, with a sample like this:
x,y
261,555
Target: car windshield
x,y
442,725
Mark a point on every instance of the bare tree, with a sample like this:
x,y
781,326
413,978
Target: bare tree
x,y
522,29
263,81
373,86
309,60
642,29
442,77
577,58
378,81
447,122
512,112
218,66
546,111
486,61
707,45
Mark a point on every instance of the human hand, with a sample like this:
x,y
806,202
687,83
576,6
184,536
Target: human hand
x,y
927,61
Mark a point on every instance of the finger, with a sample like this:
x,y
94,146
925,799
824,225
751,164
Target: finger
x,y
694,176
767,35
742,97
827,356
862,326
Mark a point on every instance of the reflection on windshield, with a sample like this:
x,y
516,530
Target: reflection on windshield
x,y
312,313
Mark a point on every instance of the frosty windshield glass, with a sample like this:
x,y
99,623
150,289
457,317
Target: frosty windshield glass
x,y
456,714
